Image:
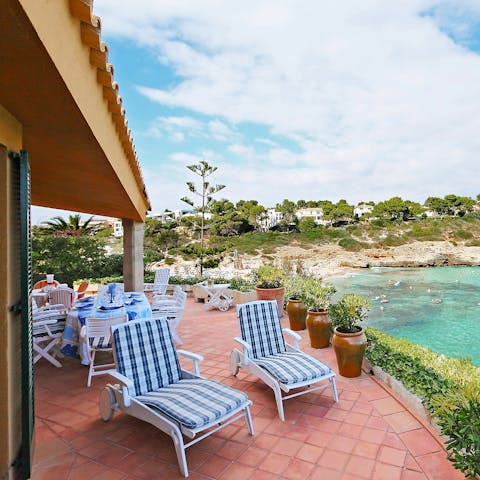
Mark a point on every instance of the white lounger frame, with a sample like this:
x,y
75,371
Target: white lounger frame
x,y
245,359
116,397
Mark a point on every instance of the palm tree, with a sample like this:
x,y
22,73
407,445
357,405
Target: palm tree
x,y
73,227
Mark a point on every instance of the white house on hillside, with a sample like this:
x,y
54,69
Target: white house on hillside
x,y
313,212
269,219
118,228
362,209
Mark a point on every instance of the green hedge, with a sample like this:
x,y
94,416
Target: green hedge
x,y
150,276
449,388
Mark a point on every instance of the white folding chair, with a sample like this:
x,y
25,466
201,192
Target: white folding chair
x,y
48,324
171,307
154,388
266,355
62,295
97,336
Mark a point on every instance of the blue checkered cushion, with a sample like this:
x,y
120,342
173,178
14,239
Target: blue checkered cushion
x,y
293,367
260,327
145,354
195,402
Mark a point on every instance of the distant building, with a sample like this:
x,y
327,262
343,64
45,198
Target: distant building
x,y
269,219
118,228
431,214
101,222
362,209
316,213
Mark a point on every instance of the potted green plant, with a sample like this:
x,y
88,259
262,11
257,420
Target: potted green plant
x,y
295,308
317,296
269,282
242,290
349,340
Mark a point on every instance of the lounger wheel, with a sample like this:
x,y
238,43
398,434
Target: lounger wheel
x,y
234,362
224,305
106,403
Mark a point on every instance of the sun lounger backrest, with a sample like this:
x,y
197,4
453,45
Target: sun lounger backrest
x,y
260,327
144,353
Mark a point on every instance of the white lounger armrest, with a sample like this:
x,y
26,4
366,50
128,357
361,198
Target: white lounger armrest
x,y
295,337
194,358
247,349
126,384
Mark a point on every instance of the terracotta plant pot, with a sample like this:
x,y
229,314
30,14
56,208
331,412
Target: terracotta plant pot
x,y
277,294
349,349
319,328
297,314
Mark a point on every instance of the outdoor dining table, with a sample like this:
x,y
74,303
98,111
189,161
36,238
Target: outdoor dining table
x,y
136,307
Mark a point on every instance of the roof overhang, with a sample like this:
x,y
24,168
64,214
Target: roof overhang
x,y
55,80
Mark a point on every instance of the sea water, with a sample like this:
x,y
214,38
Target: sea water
x,y
438,307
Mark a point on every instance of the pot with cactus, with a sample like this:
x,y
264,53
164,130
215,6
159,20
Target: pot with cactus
x,y
317,296
270,285
349,340
295,308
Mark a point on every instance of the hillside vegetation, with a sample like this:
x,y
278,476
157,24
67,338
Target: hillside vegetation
x,y
375,234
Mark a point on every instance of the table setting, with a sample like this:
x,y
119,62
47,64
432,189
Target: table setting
x,y
110,301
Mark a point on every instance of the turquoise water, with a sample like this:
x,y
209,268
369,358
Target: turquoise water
x,y
451,326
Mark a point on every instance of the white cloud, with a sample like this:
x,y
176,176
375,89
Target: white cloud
x,y
379,100
179,129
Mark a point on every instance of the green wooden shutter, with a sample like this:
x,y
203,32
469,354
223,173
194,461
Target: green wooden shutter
x,y
21,189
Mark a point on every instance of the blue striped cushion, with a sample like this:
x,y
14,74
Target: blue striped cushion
x,y
260,327
293,367
100,342
145,354
55,328
195,402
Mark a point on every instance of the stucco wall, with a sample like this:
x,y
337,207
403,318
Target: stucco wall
x,y
10,130
10,375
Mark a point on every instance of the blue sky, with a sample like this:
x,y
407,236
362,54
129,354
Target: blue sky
x,y
314,100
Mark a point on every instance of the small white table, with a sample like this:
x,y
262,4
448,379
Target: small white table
x,y
217,298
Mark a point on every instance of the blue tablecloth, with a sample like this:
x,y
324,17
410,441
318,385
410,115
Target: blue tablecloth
x,y
136,306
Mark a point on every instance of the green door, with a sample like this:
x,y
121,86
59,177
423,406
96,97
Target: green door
x,y
21,193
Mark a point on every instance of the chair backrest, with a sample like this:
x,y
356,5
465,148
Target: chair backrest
x,y
99,330
162,275
62,295
82,289
180,297
260,327
44,283
144,353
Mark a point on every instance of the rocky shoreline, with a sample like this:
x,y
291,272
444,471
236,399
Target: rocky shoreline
x,y
332,260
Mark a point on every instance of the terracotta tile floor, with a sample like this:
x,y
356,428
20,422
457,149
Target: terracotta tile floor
x,y
368,434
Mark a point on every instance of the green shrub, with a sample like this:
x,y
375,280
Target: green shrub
x,y
72,258
449,388
351,244
463,234
393,240
241,284
473,243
